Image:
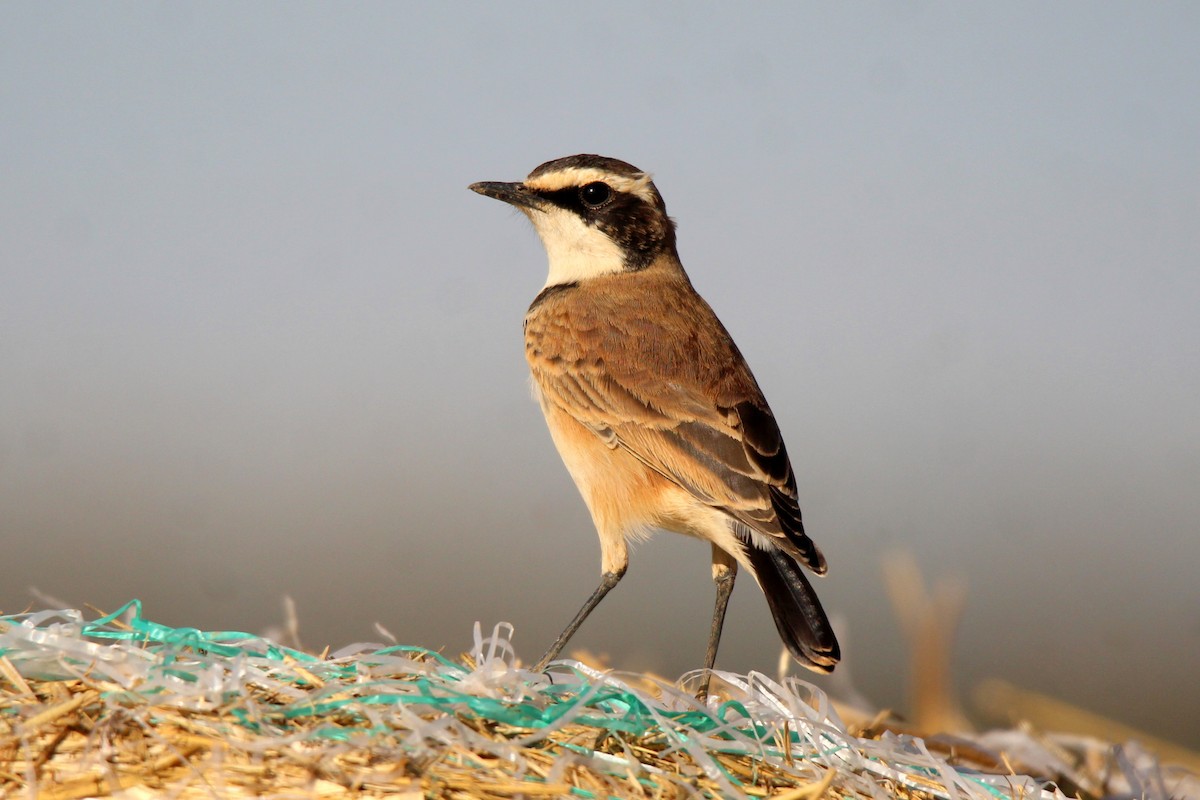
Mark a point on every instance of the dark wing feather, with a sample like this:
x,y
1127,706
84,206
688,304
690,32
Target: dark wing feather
x,y
799,618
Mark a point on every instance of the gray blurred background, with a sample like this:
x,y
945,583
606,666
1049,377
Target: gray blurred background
x,y
257,338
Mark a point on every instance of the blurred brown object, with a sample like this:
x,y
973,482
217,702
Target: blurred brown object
x,y
1008,705
929,622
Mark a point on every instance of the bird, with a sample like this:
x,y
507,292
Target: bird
x,y
653,410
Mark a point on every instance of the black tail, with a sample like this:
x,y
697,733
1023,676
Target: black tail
x,y
799,617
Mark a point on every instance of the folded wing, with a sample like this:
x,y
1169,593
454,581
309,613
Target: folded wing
x,y
727,453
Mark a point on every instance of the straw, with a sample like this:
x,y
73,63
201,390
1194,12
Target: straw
x,y
124,706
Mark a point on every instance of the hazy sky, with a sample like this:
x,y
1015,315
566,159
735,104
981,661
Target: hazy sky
x,y
257,338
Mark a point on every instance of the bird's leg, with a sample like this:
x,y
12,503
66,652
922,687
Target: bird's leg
x,y
607,581
724,571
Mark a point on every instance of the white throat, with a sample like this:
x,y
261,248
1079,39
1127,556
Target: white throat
x,y
576,251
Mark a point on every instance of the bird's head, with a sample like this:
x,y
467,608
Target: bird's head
x,y
595,216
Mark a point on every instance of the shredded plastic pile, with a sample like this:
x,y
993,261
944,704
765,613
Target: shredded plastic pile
x,y
122,706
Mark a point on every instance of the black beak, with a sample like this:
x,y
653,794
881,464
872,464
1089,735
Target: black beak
x,y
512,193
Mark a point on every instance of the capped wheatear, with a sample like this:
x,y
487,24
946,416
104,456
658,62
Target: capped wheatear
x,y
653,409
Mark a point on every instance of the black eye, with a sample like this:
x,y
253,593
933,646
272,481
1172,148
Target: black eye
x,y
595,194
